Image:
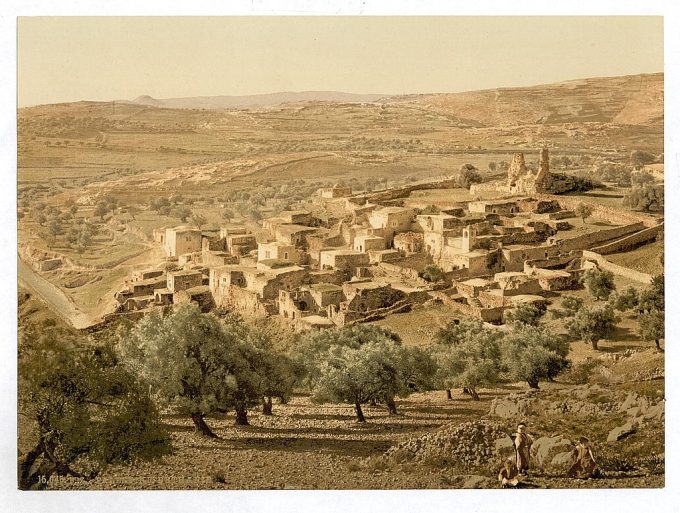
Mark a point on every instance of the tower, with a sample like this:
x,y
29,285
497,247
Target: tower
x,y
469,238
542,182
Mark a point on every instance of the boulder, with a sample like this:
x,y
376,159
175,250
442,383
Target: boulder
x,y
511,407
546,448
479,482
562,462
655,411
504,447
620,432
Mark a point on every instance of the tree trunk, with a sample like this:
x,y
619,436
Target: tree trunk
x,y
391,405
594,344
241,415
658,345
360,414
267,405
200,424
533,383
448,394
27,479
473,393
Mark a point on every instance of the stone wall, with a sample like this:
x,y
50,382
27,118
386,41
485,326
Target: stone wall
x,y
588,240
604,213
492,315
245,302
632,241
398,270
618,270
402,192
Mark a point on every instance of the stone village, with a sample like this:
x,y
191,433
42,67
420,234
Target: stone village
x,y
366,263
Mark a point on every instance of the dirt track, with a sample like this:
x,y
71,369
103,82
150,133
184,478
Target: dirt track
x,y
53,296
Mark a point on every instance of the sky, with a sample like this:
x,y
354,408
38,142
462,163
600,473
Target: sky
x,y
63,59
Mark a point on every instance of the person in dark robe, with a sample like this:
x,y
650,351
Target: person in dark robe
x,y
522,441
584,466
509,475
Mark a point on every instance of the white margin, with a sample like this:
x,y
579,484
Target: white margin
x,y
623,500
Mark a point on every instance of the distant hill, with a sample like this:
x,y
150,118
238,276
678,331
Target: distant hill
x,y
626,100
256,100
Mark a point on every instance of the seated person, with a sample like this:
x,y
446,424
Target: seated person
x,y
509,475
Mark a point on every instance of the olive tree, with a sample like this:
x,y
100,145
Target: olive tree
x,y
583,211
362,363
530,354
471,363
275,374
652,326
195,363
600,284
453,333
592,324
525,314
625,300
83,409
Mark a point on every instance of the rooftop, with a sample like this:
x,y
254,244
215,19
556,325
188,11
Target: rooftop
x,y
325,287
317,320
341,252
184,228
288,229
191,272
195,291
392,210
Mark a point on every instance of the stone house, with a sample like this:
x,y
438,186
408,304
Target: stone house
x,y
226,231
200,295
147,287
181,240
515,255
436,222
163,296
241,244
182,280
343,259
385,255
146,274
278,251
293,234
493,207
409,242
365,243
390,221
337,191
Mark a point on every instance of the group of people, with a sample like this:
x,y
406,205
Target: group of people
x,y
514,469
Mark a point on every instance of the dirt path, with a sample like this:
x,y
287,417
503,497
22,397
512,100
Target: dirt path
x,y
53,296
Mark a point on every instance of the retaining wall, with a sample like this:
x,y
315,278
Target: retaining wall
x,y
618,270
631,242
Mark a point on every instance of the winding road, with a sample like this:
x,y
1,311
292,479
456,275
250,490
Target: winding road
x,y
55,299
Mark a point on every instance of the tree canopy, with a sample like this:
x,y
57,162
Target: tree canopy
x,y
362,363
470,359
599,283
592,324
85,409
197,363
531,354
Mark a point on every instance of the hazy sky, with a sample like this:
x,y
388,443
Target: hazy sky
x,y
105,58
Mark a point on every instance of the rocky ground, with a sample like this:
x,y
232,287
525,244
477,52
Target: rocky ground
x,y
433,443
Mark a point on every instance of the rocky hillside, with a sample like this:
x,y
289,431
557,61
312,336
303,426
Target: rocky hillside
x,y
627,100
254,101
